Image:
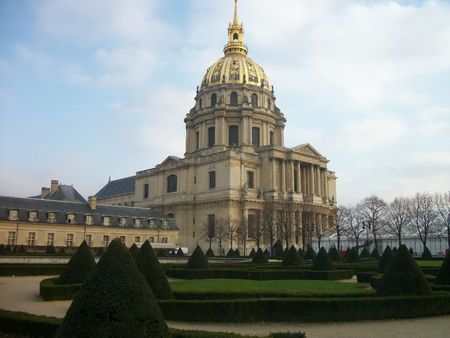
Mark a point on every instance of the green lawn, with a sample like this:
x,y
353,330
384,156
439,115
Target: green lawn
x,y
430,264
304,287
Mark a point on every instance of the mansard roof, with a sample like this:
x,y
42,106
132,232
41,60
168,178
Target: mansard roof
x,y
123,186
80,210
64,193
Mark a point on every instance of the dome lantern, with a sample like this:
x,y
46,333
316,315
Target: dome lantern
x,y
235,35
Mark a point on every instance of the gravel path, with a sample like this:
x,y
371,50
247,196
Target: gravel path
x,y
22,294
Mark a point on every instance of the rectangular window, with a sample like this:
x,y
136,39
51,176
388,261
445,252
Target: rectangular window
x,y
233,136
123,221
251,228
123,239
31,238
211,137
105,242
88,239
69,240
211,226
106,220
89,219
255,136
32,216
11,238
164,240
151,239
271,138
146,187
50,239
137,239
51,217
250,179
70,218
193,234
13,215
212,180
197,140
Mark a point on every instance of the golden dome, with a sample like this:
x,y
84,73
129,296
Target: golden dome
x,y
235,67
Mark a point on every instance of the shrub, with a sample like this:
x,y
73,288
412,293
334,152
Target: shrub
x,y
62,250
347,253
210,253
252,253
266,252
394,250
2,249
385,259
403,276
100,251
50,250
427,254
322,262
230,253
364,253
278,248
375,254
115,301
334,255
21,249
79,267
291,258
286,250
411,251
50,291
153,272
301,252
352,256
8,249
180,252
260,257
237,253
443,276
310,253
198,260
288,335
134,250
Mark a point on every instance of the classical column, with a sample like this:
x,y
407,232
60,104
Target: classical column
x,y
291,164
203,136
274,179
283,176
326,225
299,178
218,131
312,180
250,133
327,192
243,129
319,181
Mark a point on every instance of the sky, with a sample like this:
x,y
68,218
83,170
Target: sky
x,y
97,89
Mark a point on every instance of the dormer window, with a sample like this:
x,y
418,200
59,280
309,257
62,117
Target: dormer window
x,y
137,222
32,216
106,220
151,223
123,221
165,224
13,215
89,219
51,217
70,218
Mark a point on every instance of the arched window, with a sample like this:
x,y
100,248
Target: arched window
x,y
170,215
254,100
233,136
235,37
172,183
234,99
213,100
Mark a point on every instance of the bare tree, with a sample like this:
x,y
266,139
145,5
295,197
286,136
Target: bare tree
x,y
442,202
423,215
232,231
340,224
269,223
242,234
285,219
353,220
221,233
259,233
208,233
398,217
373,210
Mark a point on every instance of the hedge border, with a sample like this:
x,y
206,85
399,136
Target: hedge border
x,y
31,269
49,291
199,296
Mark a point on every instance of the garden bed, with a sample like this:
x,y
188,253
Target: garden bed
x,y
48,290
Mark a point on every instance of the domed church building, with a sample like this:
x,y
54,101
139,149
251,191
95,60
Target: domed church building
x,y
237,171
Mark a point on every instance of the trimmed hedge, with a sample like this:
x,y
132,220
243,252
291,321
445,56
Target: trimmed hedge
x,y
79,267
134,250
352,256
334,255
375,254
31,269
197,260
210,253
322,262
307,310
364,253
200,296
292,258
260,257
385,259
443,277
310,253
427,254
48,290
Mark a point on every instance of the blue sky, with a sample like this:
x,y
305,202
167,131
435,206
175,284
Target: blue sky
x,y
92,89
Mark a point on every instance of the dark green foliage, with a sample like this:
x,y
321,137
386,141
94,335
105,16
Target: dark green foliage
x,y
260,257
100,251
8,249
375,254
403,276
20,324
198,260
288,335
50,250
79,267
322,262
134,250
301,252
291,258
352,256
31,269
385,259
394,250
411,251
230,253
236,253
22,249
347,252
266,252
62,250
50,291
334,255
180,252
278,249
210,253
364,253
252,253
286,250
115,301
153,272
2,249
310,253
443,276
427,254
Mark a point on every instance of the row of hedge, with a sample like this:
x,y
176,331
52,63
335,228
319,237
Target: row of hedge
x,y
48,290
31,269
308,309
271,274
258,295
43,327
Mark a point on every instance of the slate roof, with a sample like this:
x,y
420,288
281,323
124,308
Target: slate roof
x,y
123,186
64,193
62,208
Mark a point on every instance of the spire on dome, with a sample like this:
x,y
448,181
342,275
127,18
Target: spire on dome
x,y
236,35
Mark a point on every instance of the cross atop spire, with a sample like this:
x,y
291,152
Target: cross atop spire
x,y
235,35
236,17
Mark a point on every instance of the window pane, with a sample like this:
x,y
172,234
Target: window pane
x,y
172,183
255,136
212,179
233,135
250,180
146,187
234,99
211,137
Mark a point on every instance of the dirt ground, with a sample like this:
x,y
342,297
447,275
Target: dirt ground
x,y
22,294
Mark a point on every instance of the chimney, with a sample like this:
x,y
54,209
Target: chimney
x,y
44,192
92,202
54,186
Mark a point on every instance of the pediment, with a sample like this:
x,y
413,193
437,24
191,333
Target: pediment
x,y
170,162
307,149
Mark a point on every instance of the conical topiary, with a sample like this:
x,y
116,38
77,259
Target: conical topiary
x,y
352,256
310,253
375,254
267,253
236,253
198,260
403,276
2,249
210,253
394,250
230,253
115,301
100,251
443,276
347,252
364,253
301,252
278,248
134,250
291,258
153,272
180,252
427,254
285,252
260,257
79,267
385,259
252,253
322,262
334,255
